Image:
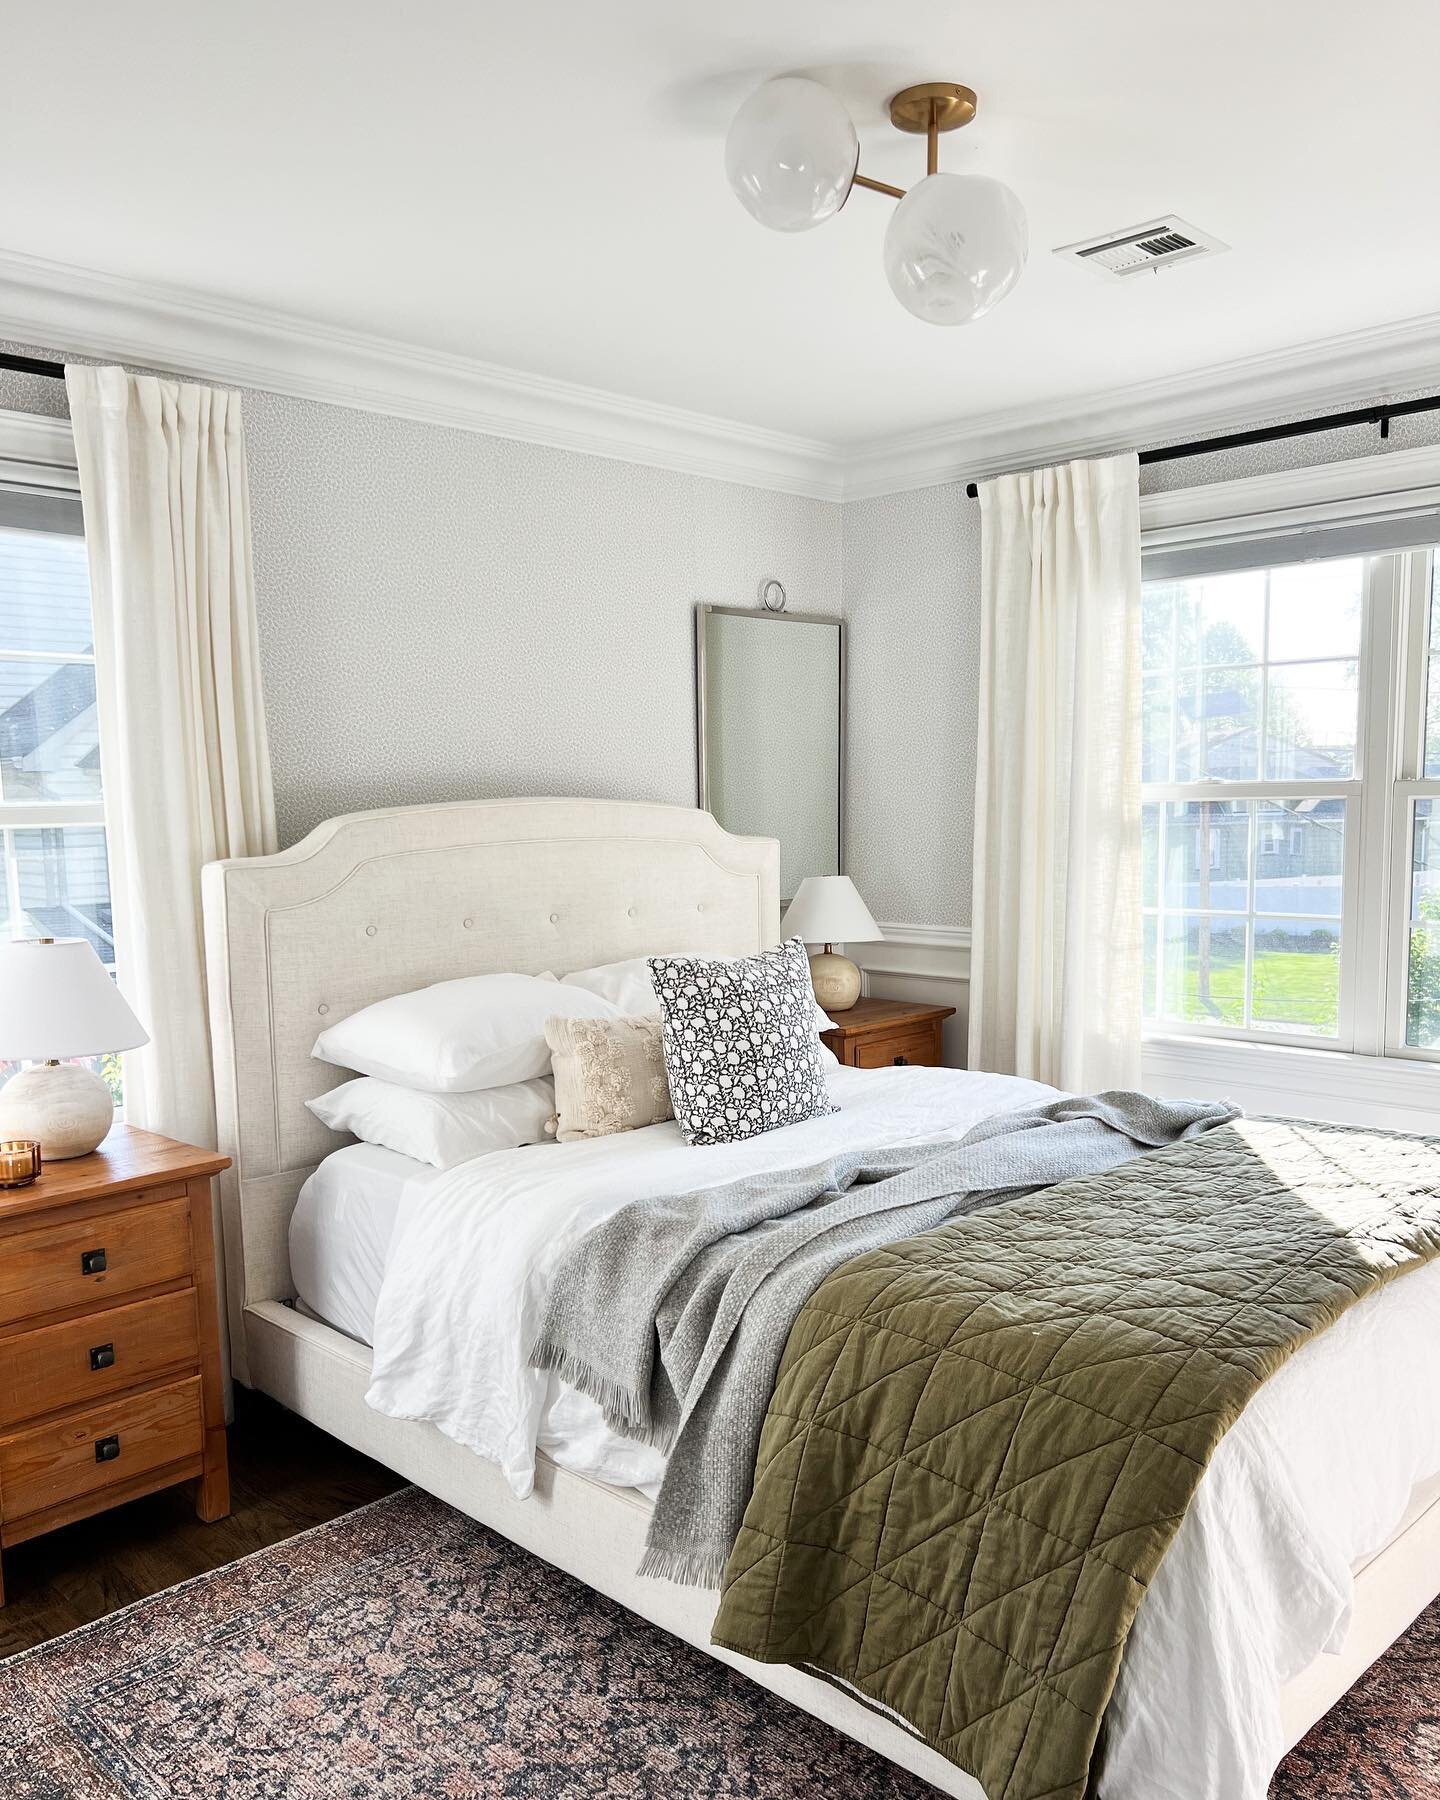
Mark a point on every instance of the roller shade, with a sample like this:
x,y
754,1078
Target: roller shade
x,y
40,509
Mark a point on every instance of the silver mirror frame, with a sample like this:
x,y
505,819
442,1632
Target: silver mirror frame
x,y
703,612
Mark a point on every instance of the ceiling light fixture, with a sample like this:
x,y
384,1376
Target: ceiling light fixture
x,y
955,244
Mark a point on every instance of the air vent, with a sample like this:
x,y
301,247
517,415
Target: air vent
x,y
1158,245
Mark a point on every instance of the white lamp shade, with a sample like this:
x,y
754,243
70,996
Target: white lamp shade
x,y
954,246
828,910
791,154
56,1001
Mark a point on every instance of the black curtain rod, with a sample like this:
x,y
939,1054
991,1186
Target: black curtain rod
x,y
1380,414
32,365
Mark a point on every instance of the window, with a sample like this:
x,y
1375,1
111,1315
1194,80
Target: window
x,y
52,823
1291,802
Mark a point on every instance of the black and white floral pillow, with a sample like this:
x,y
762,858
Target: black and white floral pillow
x,y
741,1054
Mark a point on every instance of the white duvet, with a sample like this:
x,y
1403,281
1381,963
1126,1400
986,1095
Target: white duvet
x,y
1315,1475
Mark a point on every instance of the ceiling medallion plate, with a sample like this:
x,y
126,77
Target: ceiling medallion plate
x,y
954,106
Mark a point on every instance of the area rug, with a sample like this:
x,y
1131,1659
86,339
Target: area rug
x,y
404,1651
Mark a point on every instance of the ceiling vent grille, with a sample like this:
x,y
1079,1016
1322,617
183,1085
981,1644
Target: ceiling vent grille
x,y
1158,245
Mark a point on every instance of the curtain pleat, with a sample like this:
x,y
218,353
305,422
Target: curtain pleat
x,y
185,760
1055,986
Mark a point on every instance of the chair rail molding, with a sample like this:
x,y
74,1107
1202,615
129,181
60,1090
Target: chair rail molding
x,y
941,952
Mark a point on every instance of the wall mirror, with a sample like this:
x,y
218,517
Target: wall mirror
x,y
770,703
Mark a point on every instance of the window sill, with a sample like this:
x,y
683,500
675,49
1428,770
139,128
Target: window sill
x,y
1390,1091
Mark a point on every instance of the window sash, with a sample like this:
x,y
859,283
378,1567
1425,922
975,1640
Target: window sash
x,y
1388,779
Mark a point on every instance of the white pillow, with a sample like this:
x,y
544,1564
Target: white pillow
x,y
482,1031
629,988
443,1129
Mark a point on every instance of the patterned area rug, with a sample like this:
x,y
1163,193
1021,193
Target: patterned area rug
x,y
404,1651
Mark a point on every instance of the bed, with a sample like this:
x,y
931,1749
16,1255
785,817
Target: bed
x,y
380,903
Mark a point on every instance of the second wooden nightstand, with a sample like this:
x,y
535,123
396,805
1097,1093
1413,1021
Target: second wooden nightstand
x,y
877,1034
110,1380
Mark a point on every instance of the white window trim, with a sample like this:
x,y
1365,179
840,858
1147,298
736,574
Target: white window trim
x,y
38,452
1361,1084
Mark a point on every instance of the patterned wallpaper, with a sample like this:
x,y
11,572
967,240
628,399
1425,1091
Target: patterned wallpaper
x,y
445,615
912,610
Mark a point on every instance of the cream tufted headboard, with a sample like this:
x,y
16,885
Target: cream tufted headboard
x,y
378,903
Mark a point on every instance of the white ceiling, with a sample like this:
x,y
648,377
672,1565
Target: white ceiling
x,y
541,185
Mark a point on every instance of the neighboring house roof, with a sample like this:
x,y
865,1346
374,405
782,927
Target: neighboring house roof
x,y
57,702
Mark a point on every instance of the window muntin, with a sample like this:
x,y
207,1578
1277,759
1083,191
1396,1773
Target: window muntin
x,y
1253,675
1243,904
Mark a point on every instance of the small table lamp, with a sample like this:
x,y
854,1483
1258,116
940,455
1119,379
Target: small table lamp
x,y
57,1001
827,910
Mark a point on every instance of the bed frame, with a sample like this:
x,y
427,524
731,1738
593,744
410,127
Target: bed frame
x,y
378,903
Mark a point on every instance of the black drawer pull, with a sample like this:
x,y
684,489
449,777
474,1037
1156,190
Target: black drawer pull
x,y
103,1356
92,1262
107,1449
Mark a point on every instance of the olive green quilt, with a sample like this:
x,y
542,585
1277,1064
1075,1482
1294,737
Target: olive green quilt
x,y
982,1440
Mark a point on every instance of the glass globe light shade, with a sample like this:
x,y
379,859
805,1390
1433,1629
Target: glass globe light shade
x,y
954,246
791,154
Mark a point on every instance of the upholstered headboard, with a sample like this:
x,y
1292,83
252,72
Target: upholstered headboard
x,y
378,903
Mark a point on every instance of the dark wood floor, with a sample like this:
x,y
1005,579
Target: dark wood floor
x,y
285,1476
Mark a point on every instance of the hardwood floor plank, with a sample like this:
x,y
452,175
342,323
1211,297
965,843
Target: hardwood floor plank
x,y
285,1475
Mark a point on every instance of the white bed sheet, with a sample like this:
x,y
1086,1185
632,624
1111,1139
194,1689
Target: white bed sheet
x,y
340,1233
340,1236
1315,1475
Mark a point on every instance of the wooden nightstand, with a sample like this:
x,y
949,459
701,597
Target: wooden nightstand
x,y
876,1034
110,1380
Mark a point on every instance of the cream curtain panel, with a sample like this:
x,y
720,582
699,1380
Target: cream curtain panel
x,y
184,757
1056,941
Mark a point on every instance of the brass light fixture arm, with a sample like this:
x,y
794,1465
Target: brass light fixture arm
x,y
879,187
930,108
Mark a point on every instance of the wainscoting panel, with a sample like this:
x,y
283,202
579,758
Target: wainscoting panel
x,y
929,963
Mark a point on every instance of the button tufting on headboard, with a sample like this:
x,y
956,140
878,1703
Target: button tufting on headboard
x,y
279,927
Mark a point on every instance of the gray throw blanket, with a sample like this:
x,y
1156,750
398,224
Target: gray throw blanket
x,y
673,1314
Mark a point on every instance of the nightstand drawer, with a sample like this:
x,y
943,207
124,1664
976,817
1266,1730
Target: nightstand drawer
x,y
911,1044
103,1446
92,1261
86,1359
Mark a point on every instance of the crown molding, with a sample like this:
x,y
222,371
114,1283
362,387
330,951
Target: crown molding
x,y
1328,375
171,329
150,325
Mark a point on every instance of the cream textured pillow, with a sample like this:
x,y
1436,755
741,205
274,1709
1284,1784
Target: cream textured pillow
x,y
609,1075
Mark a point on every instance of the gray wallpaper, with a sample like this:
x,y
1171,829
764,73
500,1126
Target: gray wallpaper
x,y
912,611
444,614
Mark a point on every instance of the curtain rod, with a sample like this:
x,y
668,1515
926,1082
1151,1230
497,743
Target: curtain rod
x,y
32,365
1380,414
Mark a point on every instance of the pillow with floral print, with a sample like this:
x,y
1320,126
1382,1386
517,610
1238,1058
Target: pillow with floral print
x,y
741,1054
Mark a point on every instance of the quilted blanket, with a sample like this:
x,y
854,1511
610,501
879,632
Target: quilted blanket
x,y
982,1440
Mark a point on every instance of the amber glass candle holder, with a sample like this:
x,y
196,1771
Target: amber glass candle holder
x,y
19,1162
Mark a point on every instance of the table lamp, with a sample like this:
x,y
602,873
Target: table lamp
x,y
827,910
56,1001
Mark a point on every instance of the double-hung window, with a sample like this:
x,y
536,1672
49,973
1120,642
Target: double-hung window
x,y
1291,800
52,821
